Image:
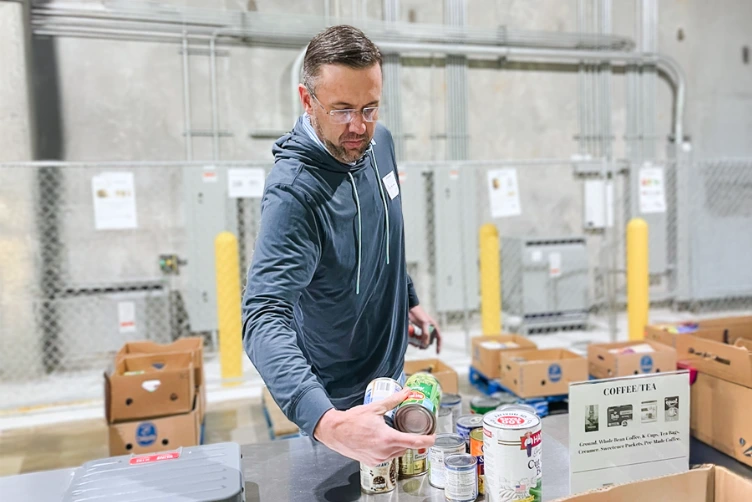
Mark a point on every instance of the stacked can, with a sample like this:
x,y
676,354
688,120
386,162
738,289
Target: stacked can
x,y
418,415
512,455
454,403
466,424
381,478
445,424
476,450
461,478
445,445
480,405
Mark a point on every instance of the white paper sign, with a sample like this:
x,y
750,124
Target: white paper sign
x,y
390,182
627,429
554,265
652,190
599,204
503,193
127,317
114,201
209,174
245,182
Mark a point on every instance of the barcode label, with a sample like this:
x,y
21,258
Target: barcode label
x,y
385,386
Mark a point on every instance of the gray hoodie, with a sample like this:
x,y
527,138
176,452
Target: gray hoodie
x,y
326,303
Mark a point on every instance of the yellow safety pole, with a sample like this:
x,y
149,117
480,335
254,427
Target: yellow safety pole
x,y
227,265
638,299
490,280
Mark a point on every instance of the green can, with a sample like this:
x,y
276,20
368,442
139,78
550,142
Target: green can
x,y
417,414
480,405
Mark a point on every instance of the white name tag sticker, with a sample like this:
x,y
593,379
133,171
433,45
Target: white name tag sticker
x,y
390,182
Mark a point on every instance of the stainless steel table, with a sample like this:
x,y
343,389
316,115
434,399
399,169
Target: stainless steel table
x,y
299,470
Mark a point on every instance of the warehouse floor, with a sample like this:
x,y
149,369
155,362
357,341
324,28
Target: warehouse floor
x,y
68,436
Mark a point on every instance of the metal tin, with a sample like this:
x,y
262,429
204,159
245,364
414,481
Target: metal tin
x,y
453,402
518,406
466,424
445,424
380,389
379,479
461,478
512,455
417,413
413,463
505,397
445,445
476,450
480,405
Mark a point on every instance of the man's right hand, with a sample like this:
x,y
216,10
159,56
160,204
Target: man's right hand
x,y
362,434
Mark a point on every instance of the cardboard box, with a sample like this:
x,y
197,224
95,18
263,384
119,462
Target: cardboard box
x,y
707,483
156,434
540,373
194,345
487,351
722,329
280,425
602,363
143,386
444,373
720,416
729,362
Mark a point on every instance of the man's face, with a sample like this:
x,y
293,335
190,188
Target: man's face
x,y
341,88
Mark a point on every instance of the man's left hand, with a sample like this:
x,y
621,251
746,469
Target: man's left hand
x,y
420,318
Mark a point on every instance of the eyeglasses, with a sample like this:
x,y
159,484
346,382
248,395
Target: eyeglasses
x,y
370,114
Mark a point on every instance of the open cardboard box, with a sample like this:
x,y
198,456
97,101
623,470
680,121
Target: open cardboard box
x,y
707,483
723,360
487,351
193,345
444,373
540,373
722,329
158,434
604,364
143,386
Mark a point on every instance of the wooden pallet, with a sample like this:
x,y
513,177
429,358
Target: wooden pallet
x,y
278,424
544,406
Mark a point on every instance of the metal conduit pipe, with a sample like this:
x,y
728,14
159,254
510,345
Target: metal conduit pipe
x,y
666,63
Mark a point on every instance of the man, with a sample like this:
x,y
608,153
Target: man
x,y
328,298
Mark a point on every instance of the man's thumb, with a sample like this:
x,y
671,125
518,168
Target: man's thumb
x,y
391,402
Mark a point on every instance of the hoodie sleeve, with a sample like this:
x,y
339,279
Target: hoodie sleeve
x,y
285,258
412,296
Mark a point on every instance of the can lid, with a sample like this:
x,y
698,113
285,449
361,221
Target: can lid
x,y
445,411
414,419
448,440
510,418
450,399
460,461
477,434
470,421
485,401
505,397
518,406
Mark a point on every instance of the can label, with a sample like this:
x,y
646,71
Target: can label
x,y
436,469
476,450
380,389
461,485
379,479
468,424
512,453
445,422
413,463
424,390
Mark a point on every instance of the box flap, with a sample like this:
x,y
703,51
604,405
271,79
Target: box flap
x,y
729,362
730,487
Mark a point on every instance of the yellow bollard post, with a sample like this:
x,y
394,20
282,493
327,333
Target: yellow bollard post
x,y
490,280
227,266
638,278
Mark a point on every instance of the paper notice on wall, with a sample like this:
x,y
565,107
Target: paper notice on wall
x,y
114,201
245,182
652,190
599,204
127,317
554,265
503,193
627,429
209,174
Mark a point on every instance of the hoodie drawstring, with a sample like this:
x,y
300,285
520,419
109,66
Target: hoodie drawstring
x,y
360,230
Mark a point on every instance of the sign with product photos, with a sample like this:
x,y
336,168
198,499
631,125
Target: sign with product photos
x,y
627,429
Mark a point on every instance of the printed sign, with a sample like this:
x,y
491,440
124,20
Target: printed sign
x,y
245,182
554,265
627,429
127,317
157,457
652,190
114,201
503,193
209,174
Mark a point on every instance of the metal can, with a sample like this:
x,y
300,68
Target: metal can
x,y
480,405
461,478
476,450
512,453
413,463
417,413
379,479
445,424
380,389
454,403
505,397
466,424
445,445
518,406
